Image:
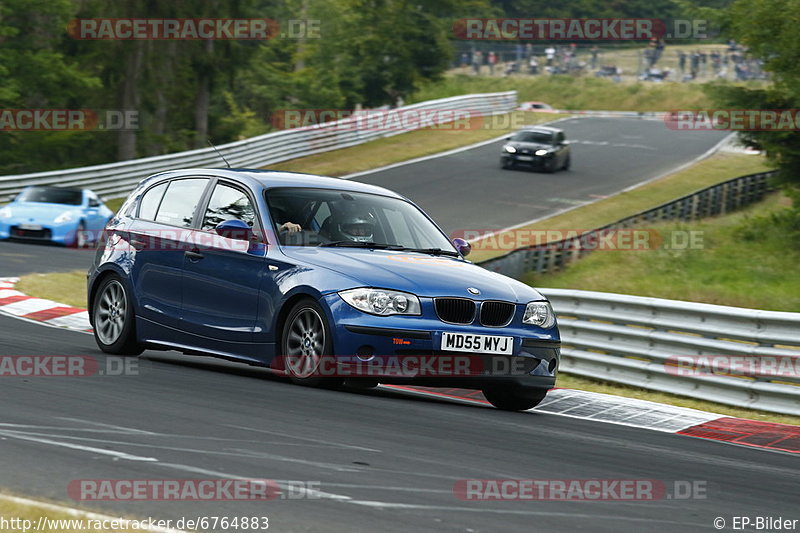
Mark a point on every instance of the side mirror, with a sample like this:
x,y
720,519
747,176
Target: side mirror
x,y
462,246
234,229
508,138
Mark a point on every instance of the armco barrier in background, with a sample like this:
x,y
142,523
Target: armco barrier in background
x,y
714,200
117,179
735,356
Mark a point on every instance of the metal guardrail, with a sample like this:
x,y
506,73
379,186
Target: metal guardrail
x,y
644,341
117,179
714,200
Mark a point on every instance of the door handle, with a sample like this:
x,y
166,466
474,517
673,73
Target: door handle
x,y
193,255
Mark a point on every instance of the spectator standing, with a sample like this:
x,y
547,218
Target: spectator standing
x,y
595,52
476,61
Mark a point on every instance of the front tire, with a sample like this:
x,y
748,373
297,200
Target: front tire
x,y
80,240
511,401
567,163
114,319
307,346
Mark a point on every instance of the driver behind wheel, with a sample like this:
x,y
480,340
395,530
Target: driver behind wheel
x,y
354,225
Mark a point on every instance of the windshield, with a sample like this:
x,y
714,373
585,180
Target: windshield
x,y
533,137
313,217
51,195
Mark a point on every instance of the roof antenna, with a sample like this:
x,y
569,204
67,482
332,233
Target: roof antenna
x,y
218,153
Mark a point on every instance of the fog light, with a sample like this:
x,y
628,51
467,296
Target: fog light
x,y
365,353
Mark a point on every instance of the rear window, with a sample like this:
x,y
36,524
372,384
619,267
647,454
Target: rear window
x,y
150,201
180,201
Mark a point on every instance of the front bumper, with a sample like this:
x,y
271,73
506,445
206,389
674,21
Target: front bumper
x,y
57,233
408,349
536,161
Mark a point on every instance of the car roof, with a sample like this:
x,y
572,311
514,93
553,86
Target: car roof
x,y
274,178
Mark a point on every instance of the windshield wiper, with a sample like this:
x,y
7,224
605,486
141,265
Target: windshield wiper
x,y
357,244
433,251
396,247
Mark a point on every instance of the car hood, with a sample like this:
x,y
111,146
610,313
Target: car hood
x,y
531,146
41,212
420,274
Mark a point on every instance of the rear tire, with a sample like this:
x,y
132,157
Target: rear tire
x,y
114,319
307,346
510,401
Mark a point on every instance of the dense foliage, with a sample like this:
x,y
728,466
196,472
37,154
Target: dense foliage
x,y
368,52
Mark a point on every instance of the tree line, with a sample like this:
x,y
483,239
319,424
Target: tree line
x,y
184,92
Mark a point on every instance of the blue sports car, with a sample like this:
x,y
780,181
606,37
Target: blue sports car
x,y
324,280
73,217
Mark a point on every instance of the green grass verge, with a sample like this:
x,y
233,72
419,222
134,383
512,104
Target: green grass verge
x,y
568,92
715,169
62,287
745,259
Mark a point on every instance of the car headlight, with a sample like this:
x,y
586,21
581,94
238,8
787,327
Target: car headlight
x,y
63,217
539,314
382,302
510,149
540,152
5,212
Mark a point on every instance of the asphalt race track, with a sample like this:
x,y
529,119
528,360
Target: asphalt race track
x,y
469,190
378,460
396,459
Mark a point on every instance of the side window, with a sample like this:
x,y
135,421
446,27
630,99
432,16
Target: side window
x,y
94,202
180,201
228,203
149,204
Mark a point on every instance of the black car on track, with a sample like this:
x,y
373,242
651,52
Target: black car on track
x,y
539,148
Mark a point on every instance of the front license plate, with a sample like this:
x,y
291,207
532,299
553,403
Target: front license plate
x,y
466,342
525,157
33,227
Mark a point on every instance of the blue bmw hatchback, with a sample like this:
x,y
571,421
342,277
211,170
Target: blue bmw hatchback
x,y
322,279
